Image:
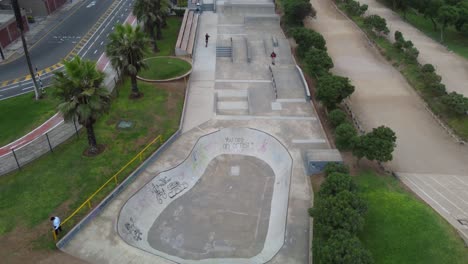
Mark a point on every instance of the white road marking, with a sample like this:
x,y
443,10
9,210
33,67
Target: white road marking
x,y
27,88
113,28
102,42
95,51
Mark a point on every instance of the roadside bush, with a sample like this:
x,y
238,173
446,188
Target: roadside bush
x,y
377,24
337,181
354,8
295,11
335,167
428,68
456,103
333,89
307,38
376,145
317,62
345,137
407,47
345,210
343,247
336,117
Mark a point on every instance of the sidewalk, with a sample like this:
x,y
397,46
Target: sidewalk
x,y
39,29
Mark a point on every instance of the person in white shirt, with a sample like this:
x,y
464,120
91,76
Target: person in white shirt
x,y
56,224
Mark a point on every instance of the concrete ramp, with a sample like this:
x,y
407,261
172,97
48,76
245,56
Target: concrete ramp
x,y
225,203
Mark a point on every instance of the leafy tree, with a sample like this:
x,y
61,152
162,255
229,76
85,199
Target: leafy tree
x,y
336,117
412,54
337,181
447,15
377,23
344,248
431,10
345,210
345,136
307,38
376,145
317,62
354,8
295,11
333,89
126,49
437,89
456,103
80,89
462,21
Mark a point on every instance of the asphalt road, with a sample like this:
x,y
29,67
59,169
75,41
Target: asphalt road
x,y
63,39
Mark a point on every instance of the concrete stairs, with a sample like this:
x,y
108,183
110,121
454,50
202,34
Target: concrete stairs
x,y
232,102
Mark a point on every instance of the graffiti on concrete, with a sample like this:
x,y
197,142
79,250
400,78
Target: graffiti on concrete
x,y
236,144
159,191
176,187
133,230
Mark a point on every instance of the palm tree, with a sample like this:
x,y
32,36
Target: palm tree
x,y
126,49
153,14
145,11
82,94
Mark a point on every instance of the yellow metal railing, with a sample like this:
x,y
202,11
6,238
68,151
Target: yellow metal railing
x,y
87,202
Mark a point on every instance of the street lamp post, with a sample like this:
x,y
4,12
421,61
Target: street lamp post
x,y
19,23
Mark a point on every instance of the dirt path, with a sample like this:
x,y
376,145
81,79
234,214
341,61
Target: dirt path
x,y
452,68
425,156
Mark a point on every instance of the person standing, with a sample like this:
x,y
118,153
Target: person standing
x,y
273,57
206,39
56,224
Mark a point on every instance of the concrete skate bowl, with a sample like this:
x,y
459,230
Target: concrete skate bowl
x,y
226,202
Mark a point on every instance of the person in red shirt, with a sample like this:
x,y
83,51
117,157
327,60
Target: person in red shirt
x,y
273,57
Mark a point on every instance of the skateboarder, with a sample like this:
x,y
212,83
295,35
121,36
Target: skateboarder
x,y
273,57
206,39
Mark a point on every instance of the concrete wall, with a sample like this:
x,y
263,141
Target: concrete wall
x,y
9,31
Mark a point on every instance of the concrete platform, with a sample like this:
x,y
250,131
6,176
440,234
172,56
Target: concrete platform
x,y
227,200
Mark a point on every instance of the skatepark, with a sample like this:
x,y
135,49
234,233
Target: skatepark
x,y
233,187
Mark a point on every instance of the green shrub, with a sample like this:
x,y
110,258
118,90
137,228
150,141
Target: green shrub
x,y
335,167
377,24
307,38
333,89
343,247
336,117
295,11
345,136
456,103
337,182
428,68
317,62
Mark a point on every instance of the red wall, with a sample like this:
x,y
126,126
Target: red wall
x,y
6,38
52,5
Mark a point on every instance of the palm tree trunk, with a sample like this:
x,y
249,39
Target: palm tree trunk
x,y
153,37
135,91
91,138
159,31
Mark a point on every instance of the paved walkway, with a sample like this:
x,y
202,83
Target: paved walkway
x,y
452,67
223,94
383,97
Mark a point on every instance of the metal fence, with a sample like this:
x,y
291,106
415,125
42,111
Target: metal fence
x,y
19,157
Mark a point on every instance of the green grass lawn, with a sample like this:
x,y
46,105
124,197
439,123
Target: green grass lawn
x,y
57,183
165,68
399,228
21,114
453,39
167,44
